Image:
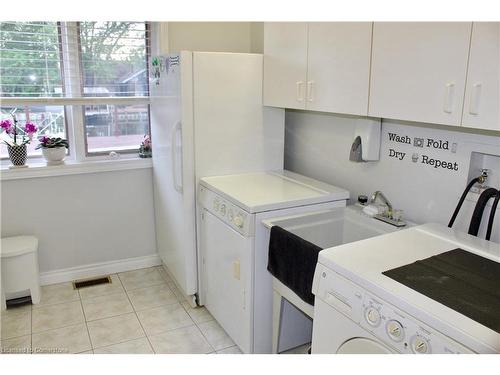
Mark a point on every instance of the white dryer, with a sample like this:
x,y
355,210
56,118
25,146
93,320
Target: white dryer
x,y
233,244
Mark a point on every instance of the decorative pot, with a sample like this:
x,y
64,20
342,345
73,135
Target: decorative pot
x,y
17,155
145,152
54,155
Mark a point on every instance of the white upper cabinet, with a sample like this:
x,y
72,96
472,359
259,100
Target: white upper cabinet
x,y
285,64
338,69
418,71
321,66
482,99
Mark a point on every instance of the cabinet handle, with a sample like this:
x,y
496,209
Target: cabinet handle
x,y
299,85
474,99
448,101
310,85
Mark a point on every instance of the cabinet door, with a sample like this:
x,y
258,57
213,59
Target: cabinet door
x,y
285,64
482,99
418,71
338,70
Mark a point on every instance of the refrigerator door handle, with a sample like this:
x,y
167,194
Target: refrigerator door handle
x,y
173,137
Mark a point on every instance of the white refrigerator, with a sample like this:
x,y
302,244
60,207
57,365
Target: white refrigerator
x,y
207,119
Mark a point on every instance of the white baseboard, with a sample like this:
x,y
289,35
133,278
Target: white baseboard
x,y
98,269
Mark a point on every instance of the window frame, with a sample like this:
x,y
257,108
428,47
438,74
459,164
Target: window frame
x,y
74,101
18,101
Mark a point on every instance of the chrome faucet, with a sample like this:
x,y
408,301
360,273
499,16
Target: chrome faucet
x,y
388,215
382,197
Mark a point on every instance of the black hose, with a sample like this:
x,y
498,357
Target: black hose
x,y
461,201
475,222
492,216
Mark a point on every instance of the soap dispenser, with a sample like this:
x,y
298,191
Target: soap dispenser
x,y
356,150
366,144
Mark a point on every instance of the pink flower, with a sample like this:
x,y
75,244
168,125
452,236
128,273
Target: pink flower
x,y
43,139
147,141
6,125
30,128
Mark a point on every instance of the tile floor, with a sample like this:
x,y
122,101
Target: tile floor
x,y
141,312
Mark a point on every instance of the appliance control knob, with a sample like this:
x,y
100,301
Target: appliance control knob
x,y
395,330
239,221
223,209
372,316
420,345
363,199
216,204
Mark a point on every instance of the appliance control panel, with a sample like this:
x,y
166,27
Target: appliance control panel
x,y
229,213
386,322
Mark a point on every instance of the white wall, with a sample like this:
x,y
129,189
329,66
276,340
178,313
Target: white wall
x,y
257,37
82,219
318,144
209,36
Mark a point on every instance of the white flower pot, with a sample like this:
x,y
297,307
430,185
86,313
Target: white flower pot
x,y
54,156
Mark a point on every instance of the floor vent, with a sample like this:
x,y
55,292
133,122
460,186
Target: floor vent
x,y
91,282
15,302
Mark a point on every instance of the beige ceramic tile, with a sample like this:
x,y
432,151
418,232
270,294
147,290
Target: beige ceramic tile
x,y
140,278
72,339
198,314
15,310
215,335
15,324
139,346
164,274
109,331
151,296
57,293
106,306
102,290
87,352
57,316
231,350
164,318
180,296
17,345
188,340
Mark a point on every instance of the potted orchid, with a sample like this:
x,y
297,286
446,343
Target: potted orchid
x,y
145,150
53,149
16,139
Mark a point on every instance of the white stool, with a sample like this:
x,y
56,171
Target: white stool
x,y
295,316
20,275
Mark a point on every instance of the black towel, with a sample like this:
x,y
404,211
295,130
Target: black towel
x,y
292,260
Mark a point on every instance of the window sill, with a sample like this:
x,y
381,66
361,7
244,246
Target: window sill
x,y
40,169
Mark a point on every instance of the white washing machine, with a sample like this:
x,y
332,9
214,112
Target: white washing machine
x,y
350,320
233,245
342,335
360,309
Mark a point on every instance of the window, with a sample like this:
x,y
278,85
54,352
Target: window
x,y
117,127
50,120
31,66
87,80
114,64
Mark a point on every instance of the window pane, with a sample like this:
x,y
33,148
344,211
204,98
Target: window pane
x,y
50,120
114,58
30,61
115,127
